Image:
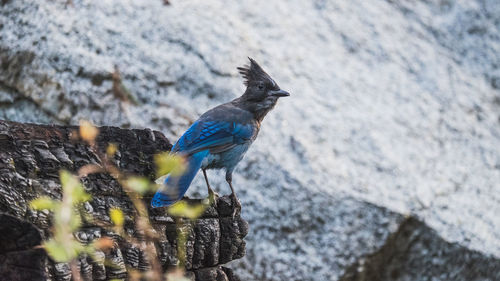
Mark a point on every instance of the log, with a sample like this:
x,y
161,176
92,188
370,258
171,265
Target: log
x,y
30,158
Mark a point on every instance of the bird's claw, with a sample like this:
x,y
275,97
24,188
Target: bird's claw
x,y
213,198
236,207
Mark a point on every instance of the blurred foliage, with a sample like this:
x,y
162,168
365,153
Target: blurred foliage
x,y
167,163
176,275
140,185
63,247
88,132
184,210
117,217
68,212
111,149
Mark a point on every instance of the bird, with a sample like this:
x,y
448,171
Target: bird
x,y
221,136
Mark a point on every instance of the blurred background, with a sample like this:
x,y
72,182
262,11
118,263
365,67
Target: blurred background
x,y
394,111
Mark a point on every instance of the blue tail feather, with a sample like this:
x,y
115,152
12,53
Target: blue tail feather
x,y
174,188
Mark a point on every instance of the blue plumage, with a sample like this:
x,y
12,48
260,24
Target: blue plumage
x,y
220,137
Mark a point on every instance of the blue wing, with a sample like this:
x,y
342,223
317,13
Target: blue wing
x,y
202,138
216,136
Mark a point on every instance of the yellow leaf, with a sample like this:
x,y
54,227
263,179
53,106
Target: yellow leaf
x,y
168,163
116,216
88,132
43,203
183,209
111,149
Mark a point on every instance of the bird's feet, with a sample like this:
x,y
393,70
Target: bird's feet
x,y
212,198
236,206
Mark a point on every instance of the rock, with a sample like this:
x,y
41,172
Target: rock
x,y
31,170
415,247
208,233
392,103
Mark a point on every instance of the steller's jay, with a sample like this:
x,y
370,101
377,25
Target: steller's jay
x,y
222,135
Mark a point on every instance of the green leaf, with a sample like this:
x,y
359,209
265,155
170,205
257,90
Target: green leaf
x,y
75,221
56,251
89,249
168,163
43,203
72,187
80,195
116,216
183,209
67,179
60,252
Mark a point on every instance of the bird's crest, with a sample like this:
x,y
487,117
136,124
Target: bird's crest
x,y
253,72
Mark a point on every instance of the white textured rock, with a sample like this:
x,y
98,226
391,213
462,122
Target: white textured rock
x,y
394,104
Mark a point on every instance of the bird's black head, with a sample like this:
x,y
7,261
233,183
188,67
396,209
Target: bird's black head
x,y
262,91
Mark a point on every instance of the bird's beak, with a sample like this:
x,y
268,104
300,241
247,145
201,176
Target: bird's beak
x,y
279,93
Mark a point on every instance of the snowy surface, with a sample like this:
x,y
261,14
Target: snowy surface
x,y
393,104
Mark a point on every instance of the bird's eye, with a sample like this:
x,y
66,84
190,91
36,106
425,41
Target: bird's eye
x,y
261,87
